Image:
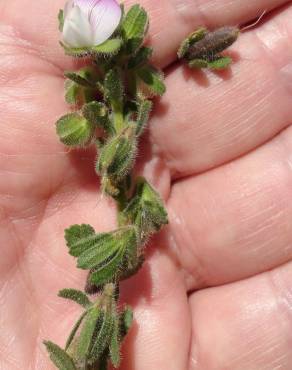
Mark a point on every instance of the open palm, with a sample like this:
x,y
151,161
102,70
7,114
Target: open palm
x,y
215,292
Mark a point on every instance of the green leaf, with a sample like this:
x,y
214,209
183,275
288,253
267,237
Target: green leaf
x,y
117,157
126,323
153,79
99,253
220,63
108,48
75,295
77,78
146,210
198,63
103,336
97,113
190,40
74,330
115,343
144,110
61,19
86,338
142,56
74,130
59,357
135,23
114,89
126,238
79,238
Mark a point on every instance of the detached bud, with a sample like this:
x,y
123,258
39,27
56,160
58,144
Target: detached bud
x,y
202,48
74,130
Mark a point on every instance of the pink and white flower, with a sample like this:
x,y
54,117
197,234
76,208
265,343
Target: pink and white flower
x,y
90,22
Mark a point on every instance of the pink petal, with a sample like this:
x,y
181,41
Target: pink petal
x,y
103,15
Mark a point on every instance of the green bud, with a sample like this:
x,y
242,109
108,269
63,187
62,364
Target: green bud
x,y
97,113
74,130
116,158
145,210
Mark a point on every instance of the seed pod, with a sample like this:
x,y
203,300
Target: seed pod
x,y
213,43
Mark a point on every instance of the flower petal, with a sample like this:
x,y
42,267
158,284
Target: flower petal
x,y
105,17
77,31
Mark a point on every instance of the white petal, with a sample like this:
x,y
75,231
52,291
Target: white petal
x,y
105,18
68,6
77,31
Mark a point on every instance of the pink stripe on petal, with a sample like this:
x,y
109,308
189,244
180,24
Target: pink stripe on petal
x,y
105,18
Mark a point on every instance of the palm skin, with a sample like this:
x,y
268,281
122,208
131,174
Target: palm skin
x,y
215,292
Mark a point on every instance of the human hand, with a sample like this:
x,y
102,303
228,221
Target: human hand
x,y
215,291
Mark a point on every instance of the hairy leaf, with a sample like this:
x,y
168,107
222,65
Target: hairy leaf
x,y
103,336
146,210
115,343
142,56
220,63
74,330
78,238
126,240
59,357
153,79
126,320
135,23
144,110
75,295
86,338
114,89
74,130
117,157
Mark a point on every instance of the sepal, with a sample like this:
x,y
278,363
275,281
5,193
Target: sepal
x,y
108,49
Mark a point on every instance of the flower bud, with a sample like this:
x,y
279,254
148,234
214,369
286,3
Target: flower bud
x,y
117,157
90,22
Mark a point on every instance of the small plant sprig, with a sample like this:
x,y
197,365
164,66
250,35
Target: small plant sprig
x,y
202,48
112,101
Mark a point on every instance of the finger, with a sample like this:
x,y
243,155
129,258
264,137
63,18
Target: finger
x,y
218,117
161,316
245,325
235,221
171,21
